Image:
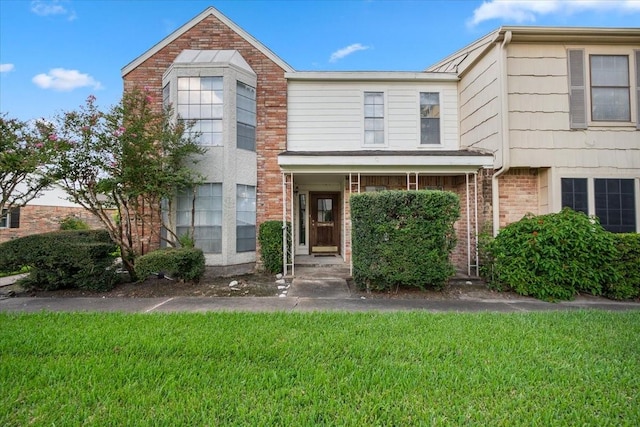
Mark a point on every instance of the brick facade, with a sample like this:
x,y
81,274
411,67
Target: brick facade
x,y
271,100
518,195
36,219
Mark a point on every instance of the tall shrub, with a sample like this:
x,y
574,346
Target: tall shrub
x,y
554,256
403,238
270,238
63,259
628,265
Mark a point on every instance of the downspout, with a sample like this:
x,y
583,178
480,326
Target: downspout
x,y
504,131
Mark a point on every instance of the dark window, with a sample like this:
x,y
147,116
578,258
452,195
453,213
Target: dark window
x,y
615,204
574,194
303,216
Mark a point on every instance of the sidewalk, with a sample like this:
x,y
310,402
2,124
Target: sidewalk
x,y
307,293
299,304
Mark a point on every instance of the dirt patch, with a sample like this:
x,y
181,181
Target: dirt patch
x,y
257,284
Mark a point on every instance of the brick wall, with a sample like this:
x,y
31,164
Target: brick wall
x,y
518,195
42,219
271,100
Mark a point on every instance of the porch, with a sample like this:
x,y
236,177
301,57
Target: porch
x,y
316,188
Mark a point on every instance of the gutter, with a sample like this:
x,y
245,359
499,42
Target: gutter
x,y
504,131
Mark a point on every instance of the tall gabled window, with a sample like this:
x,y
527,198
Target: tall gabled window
x,y
429,118
201,99
373,118
610,97
246,116
206,211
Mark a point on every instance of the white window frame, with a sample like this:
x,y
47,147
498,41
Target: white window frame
x,y
5,222
364,116
440,127
628,87
579,85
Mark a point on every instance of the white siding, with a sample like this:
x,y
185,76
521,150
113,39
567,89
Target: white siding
x,y
329,115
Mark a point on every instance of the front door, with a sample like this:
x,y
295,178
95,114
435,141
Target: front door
x,y
325,222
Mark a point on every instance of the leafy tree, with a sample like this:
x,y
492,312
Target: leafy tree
x,y
25,150
126,160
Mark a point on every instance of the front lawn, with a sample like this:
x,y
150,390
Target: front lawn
x,y
299,369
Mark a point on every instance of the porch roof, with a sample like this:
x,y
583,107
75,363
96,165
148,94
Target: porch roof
x,y
379,161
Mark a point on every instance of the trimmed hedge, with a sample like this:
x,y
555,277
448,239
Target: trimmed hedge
x,y
628,265
554,256
270,238
63,259
179,263
403,238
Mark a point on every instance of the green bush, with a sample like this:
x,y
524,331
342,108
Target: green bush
x,y
63,259
178,263
73,223
628,264
554,256
270,238
403,238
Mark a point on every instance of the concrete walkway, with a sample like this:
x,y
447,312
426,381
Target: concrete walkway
x,y
299,304
310,291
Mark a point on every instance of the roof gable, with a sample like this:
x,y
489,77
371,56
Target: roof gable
x,y
186,27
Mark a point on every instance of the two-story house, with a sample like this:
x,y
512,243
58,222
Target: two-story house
x,y
350,132
522,120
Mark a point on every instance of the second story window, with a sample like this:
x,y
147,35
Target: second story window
x,y
429,118
201,99
373,118
610,98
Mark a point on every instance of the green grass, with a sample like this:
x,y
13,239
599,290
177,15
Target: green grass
x,y
297,369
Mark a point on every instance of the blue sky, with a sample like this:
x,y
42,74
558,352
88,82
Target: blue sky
x,y
55,53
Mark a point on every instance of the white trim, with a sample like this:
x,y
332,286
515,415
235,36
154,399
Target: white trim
x,y
385,161
186,27
360,76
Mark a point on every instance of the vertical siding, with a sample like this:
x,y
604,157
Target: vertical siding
x,y
329,115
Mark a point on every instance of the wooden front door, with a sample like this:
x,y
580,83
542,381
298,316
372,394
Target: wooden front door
x,y
325,222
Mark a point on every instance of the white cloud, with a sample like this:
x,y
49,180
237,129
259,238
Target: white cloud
x,y
341,53
65,80
5,68
53,7
520,11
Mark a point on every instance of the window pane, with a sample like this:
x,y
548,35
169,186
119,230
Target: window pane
x,y
574,194
610,94
430,118
207,218
615,204
245,218
430,131
609,70
610,104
